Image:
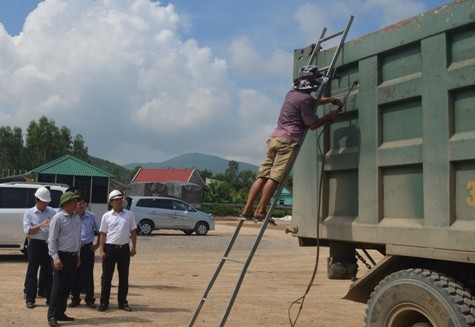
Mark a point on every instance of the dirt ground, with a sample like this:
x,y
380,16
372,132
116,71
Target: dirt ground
x,y
171,271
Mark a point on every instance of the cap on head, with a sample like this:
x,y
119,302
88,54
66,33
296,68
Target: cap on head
x,y
43,194
67,196
115,194
309,78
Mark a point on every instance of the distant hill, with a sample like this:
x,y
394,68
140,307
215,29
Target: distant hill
x,y
121,173
198,161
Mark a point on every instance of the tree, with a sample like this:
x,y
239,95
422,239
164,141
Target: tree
x,y
42,140
231,173
245,179
11,148
80,149
218,192
46,142
290,183
205,174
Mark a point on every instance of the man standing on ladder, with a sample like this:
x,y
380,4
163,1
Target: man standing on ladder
x,y
296,114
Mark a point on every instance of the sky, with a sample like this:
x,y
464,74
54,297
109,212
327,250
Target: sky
x,y
146,81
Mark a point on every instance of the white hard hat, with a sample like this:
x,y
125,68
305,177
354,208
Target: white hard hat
x,y
115,194
43,194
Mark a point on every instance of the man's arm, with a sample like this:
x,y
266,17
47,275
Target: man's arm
x,y
30,229
133,234
133,237
53,243
331,116
102,245
327,100
94,247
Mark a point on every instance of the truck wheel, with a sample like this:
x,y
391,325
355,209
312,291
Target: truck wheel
x,y
420,297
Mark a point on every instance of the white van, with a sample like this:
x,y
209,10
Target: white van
x,y
15,199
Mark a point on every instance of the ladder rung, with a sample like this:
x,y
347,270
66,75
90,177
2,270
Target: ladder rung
x,y
332,36
222,306
234,260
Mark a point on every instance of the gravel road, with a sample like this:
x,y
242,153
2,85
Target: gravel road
x,y
171,270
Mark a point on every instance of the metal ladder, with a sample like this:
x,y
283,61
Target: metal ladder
x,y
329,72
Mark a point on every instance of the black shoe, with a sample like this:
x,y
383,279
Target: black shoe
x,y
65,318
30,305
53,322
74,303
125,307
103,307
91,305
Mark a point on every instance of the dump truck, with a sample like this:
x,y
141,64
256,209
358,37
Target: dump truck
x,y
392,180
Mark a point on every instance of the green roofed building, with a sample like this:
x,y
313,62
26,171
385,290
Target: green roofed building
x,y
92,182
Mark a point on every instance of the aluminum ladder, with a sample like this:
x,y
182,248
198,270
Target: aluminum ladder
x,y
329,72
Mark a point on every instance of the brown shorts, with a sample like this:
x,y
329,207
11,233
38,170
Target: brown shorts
x,y
277,161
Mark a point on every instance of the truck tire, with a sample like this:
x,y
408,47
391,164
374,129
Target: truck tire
x,y
420,297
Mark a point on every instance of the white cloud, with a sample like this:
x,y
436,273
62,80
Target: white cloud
x,y
249,62
390,12
120,73
118,70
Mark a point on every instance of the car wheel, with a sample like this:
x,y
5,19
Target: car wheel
x,y
201,228
146,227
187,231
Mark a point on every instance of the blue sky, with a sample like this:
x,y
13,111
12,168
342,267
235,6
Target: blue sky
x,y
165,78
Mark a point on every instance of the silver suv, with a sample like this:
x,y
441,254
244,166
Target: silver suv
x,y
15,199
168,213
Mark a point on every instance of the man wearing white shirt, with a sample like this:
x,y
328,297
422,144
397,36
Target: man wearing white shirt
x,y
35,223
118,227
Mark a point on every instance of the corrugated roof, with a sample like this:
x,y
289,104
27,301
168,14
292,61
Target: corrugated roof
x,y
69,165
162,175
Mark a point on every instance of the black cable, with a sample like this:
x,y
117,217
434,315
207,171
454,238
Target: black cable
x,y
320,187
317,258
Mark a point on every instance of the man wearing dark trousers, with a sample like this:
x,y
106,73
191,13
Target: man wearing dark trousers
x,y
36,223
118,227
64,243
84,278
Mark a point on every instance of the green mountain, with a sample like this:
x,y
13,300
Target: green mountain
x,y
121,173
197,161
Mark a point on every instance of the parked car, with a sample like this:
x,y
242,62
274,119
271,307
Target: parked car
x,y
152,213
15,199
